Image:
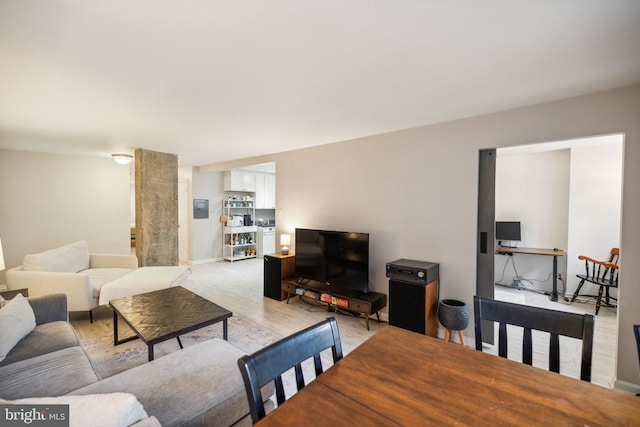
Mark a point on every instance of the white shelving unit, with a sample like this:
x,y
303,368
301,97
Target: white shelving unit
x,y
239,241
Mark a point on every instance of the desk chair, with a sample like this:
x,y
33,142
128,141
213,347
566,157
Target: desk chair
x,y
541,319
269,363
603,274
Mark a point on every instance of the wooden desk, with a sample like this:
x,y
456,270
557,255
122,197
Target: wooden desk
x,y
555,253
398,377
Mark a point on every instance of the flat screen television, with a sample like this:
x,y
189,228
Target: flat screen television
x,y
337,258
508,230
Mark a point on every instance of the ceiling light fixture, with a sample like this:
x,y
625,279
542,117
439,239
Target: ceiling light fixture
x,y
123,159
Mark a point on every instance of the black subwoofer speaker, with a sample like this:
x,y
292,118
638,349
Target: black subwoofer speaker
x,y
276,268
414,306
407,307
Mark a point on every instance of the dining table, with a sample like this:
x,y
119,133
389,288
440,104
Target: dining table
x,y
402,378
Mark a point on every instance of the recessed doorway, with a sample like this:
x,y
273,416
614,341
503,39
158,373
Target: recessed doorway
x,y
566,195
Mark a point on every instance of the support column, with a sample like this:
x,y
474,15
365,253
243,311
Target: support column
x,y
156,208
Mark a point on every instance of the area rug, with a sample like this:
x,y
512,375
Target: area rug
x,y
109,360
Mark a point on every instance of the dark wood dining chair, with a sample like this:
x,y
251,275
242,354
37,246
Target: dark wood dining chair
x,y
268,364
554,322
603,274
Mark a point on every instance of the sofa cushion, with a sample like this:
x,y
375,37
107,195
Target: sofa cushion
x,y
95,410
16,321
200,384
69,258
101,276
44,338
51,374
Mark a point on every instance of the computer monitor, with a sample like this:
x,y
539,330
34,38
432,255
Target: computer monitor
x,y
508,230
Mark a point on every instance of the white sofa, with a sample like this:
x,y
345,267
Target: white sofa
x,y
72,270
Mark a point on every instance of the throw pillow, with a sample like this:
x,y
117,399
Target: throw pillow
x,y
70,258
95,410
16,321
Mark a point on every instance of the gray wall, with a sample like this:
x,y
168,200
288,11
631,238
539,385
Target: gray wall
x,y
207,233
47,200
201,239
415,191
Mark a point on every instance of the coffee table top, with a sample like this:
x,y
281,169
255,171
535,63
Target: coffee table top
x,y
159,315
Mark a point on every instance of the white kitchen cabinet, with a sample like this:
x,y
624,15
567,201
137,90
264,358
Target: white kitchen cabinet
x,y
239,180
260,190
269,191
265,190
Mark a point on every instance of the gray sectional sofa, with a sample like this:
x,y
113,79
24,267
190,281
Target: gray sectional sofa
x,y
199,385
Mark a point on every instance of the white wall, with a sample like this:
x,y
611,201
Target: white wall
x,y
533,189
47,200
595,206
185,215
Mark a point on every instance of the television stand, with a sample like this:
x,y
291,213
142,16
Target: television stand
x,y
335,296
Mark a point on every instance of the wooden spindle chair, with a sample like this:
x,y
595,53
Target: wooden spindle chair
x,y
603,274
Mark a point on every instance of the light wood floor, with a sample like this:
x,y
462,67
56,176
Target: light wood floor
x,y
238,286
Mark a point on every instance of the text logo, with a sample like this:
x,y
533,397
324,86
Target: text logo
x,y
34,415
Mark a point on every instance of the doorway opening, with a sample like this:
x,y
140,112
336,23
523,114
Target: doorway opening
x,y
202,239
567,196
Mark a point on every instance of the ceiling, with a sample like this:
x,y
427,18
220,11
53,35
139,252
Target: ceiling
x,y
214,81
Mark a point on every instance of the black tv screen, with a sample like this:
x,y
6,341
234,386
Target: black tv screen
x,y
508,230
336,258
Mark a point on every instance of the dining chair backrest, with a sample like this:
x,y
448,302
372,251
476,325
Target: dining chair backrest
x,y
268,364
556,323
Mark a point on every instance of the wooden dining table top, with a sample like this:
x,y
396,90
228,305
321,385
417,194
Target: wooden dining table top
x,y
398,377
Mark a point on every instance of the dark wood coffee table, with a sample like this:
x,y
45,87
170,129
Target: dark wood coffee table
x,y
168,313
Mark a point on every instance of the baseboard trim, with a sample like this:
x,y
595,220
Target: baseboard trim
x,y
626,386
204,261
